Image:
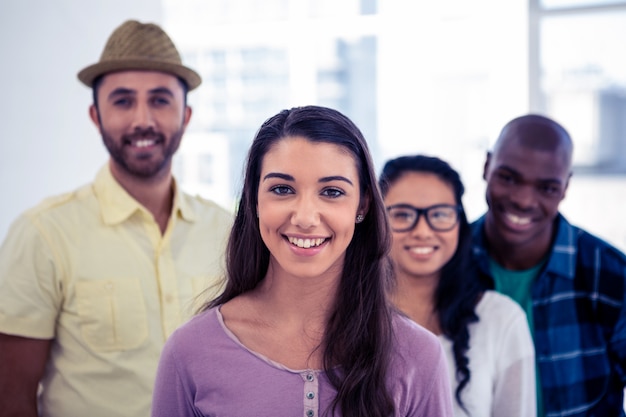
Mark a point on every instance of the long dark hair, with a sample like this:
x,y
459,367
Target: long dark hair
x,y
458,289
359,331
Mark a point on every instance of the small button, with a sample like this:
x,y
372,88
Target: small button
x,y
310,395
310,377
310,413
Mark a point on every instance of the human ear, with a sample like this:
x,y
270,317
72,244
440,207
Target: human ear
x,y
187,116
95,117
486,166
364,206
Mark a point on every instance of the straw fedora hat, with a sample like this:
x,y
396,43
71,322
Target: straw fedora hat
x,y
139,46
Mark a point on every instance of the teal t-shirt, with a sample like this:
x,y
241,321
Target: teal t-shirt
x,y
517,285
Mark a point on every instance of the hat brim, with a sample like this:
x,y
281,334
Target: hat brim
x,y
88,75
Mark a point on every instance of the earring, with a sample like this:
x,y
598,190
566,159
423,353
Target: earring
x,y
360,218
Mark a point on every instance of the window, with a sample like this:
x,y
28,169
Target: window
x,y
438,78
577,76
582,79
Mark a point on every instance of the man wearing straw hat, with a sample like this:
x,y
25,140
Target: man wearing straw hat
x,y
94,281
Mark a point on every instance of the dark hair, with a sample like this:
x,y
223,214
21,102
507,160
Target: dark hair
x,y
458,289
359,331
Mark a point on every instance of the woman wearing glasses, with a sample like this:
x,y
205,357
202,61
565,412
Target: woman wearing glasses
x,y
485,334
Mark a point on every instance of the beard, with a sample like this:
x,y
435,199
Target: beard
x,y
143,164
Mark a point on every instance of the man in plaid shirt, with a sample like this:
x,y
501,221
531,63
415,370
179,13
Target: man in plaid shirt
x,y
571,284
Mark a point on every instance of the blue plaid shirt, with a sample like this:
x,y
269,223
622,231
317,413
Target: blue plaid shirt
x,y
579,313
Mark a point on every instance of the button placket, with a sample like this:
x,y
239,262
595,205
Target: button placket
x,y
311,398
168,286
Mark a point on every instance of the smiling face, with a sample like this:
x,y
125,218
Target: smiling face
x,y
422,251
525,185
308,199
141,116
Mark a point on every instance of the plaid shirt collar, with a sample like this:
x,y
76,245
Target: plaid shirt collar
x,y
562,261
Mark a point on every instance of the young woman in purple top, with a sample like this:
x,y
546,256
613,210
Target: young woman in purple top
x,y
303,327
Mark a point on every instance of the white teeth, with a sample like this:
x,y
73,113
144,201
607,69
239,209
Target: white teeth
x,y
422,250
518,220
142,143
306,243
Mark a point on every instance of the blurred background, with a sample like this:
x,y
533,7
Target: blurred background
x,y
439,77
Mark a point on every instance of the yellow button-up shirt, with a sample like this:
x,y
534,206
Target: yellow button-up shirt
x,y
91,270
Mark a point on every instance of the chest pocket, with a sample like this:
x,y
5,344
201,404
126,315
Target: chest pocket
x,y
112,314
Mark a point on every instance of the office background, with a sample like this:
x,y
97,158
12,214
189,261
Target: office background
x,y
439,78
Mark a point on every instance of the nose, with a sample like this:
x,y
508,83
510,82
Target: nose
x,y
421,227
143,117
523,197
305,213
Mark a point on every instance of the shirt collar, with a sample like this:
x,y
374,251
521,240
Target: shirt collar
x,y
561,258
479,246
117,205
564,250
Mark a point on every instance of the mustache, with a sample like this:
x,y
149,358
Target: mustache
x,y
143,134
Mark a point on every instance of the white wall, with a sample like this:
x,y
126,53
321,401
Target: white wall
x,y
48,145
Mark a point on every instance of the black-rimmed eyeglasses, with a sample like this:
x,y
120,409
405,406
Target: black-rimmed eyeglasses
x,y
440,217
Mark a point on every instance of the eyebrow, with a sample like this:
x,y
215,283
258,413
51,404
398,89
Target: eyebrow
x,y
161,90
121,92
518,174
125,91
288,177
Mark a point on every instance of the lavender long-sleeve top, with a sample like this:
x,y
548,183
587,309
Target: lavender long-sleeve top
x,y
205,371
